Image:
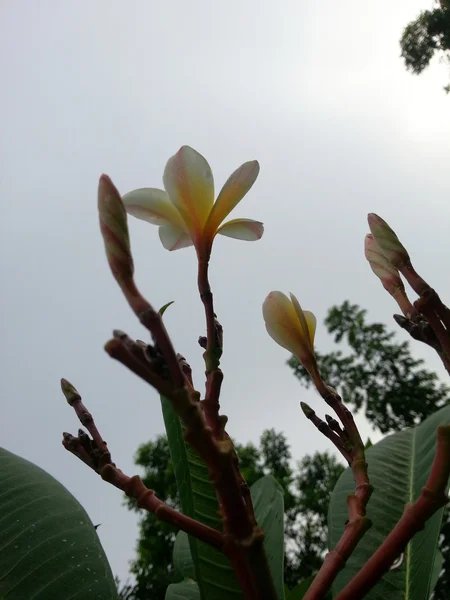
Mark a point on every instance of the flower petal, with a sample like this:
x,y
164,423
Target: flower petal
x,y
388,274
174,238
307,320
283,336
283,325
235,188
152,205
189,181
242,229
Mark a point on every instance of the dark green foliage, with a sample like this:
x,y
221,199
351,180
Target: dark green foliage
x,y
426,35
377,374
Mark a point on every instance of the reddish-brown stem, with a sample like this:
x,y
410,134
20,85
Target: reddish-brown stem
x,y
333,400
146,499
432,308
211,405
153,322
245,490
217,454
432,498
117,350
214,375
326,430
86,419
348,442
99,458
403,302
207,298
418,284
335,560
213,349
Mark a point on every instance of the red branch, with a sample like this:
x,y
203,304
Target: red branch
x,y
432,498
213,350
433,309
348,441
96,454
217,454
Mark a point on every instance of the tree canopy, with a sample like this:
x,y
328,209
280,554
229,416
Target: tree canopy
x,y
427,35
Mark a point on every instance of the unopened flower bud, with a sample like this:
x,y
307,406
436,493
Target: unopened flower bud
x,y
307,410
114,228
388,242
383,269
69,391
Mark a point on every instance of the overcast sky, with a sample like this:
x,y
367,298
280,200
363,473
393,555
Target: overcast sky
x,y
316,91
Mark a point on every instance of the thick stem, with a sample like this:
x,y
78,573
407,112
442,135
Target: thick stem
x,y
336,559
326,430
433,309
333,400
216,452
432,498
212,362
348,442
146,499
213,351
152,321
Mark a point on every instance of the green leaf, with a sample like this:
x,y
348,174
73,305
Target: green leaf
x,y
268,502
163,309
213,572
186,590
182,558
399,466
437,568
48,545
300,589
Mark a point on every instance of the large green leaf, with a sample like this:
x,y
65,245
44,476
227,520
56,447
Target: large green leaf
x,y
214,574
399,466
268,502
437,568
186,590
182,557
48,546
300,589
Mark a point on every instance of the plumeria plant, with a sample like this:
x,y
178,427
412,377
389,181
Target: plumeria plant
x,y
230,543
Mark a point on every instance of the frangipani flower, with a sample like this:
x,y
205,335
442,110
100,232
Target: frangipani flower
x,y
290,326
186,212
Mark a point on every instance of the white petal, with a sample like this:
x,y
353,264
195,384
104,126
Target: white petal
x,y
152,205
235,188
307,319
242,229
174,238
189,181
283,325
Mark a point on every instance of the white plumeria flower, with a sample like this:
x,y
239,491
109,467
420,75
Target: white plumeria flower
x,y
290,326
186,212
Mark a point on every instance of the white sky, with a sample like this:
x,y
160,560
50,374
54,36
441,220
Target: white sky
x,y
316,91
